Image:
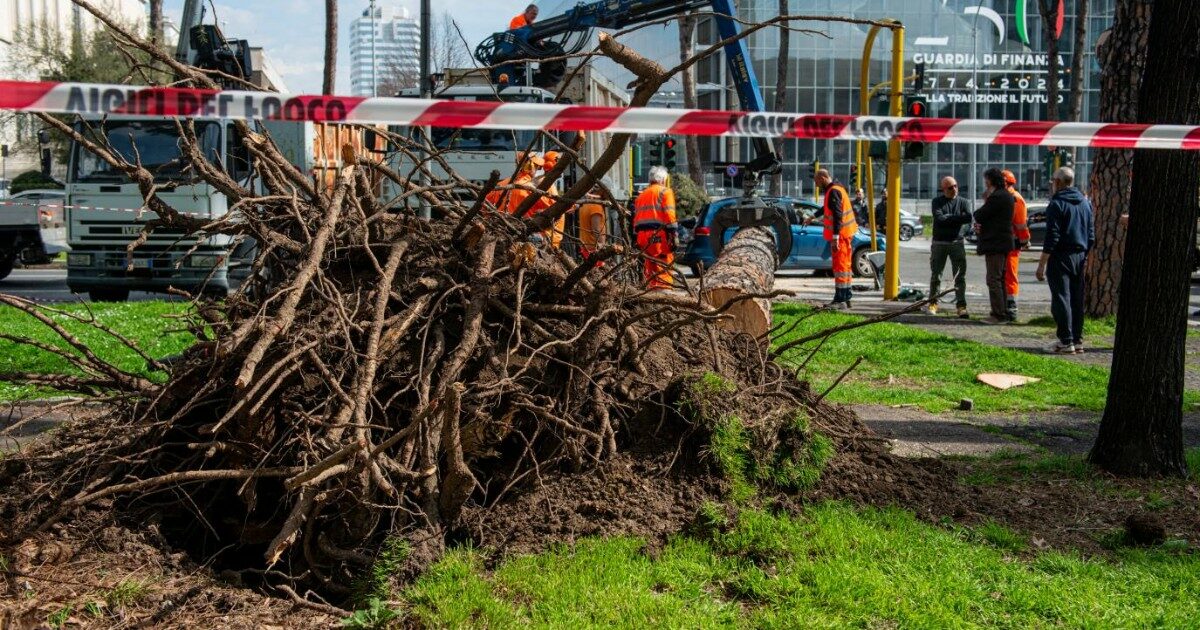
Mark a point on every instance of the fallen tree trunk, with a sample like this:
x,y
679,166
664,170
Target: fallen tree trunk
x,y
746,267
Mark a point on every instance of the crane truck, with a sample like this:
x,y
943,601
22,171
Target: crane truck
x,y
511,57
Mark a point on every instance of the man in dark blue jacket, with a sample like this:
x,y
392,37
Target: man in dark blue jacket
x,y
1070,234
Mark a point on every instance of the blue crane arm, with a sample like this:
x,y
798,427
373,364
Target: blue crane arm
x,y
521,44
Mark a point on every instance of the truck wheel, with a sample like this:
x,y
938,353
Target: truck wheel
x,y
108,295
862,265
6,267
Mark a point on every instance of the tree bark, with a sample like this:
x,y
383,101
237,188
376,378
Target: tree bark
x,y
691,144
156,23
1141,432
1122,55
746,267
781,72
1081,29
1049,11
331,18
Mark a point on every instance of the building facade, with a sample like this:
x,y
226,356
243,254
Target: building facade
x,y
56,18
384,51
983,59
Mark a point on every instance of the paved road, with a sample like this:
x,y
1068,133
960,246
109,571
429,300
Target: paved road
x,y
50,285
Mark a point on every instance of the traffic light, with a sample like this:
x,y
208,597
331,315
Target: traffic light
x,y
919,83
812,169
636,158
854,177
1056,158
669,153
915,107
656,151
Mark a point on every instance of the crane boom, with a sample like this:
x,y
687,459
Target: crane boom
x,y
549,41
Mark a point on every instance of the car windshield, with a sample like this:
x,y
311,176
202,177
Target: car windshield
x,y
154,143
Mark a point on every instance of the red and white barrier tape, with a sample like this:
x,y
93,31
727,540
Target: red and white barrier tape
x,y
59,206
95,100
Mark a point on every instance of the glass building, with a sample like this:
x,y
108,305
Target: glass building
x,y
982,60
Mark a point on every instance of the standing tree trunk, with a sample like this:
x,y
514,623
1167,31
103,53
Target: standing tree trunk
x,y
1141,432
781,74
746,267
1081,29
156,23
331,19
691,144
1122,55
1050,17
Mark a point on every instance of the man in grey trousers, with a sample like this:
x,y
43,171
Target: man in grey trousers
x,y
951,215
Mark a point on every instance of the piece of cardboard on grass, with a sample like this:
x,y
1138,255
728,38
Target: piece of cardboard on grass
x,y
1006,381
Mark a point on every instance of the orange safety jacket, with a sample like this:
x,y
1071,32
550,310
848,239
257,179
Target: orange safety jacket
x,y
512,198
517,22
839,213
654,209
1020,221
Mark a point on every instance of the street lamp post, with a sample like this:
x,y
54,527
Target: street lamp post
x,y
974,175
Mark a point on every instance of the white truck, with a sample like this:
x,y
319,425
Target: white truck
x,y
32,229
105,211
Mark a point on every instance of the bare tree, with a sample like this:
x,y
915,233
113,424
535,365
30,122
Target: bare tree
x,y
331,19
396,73
446,48
691,144
781,72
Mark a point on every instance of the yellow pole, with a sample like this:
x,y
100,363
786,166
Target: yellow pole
x,y
891,284
816,188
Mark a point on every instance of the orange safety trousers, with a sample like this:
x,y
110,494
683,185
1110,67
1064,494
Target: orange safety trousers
x,y
659,260
1011,286
843,259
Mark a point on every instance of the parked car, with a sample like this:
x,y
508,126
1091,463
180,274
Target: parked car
x,y
1037,225
809,248
910,225
32,228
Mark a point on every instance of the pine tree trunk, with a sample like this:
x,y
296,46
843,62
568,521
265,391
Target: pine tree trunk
x,y
691,144
1081,30
746,266
1049,11
156,23
781,74
1141,432
1122,55
327,85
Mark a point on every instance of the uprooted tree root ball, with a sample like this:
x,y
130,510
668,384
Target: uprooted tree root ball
x,y
427,369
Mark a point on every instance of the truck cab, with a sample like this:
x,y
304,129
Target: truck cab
x,y
105,211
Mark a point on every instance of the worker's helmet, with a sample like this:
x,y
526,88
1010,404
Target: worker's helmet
x,y
550,158
530,159
1009,178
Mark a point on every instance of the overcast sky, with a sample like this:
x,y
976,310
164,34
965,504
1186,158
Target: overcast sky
x,y
293,31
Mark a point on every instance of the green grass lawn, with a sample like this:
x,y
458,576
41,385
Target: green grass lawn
x,y
148,324
835,566
906,365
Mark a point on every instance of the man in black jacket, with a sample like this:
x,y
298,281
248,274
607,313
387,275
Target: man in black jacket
x,y
993,222
1070,234
951,214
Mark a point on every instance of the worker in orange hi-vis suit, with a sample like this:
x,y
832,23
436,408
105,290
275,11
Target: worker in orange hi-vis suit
x,y
525,19
555,234
509,194
840,228
1020,228
656,229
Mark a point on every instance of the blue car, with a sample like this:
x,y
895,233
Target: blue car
x,y
809,248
